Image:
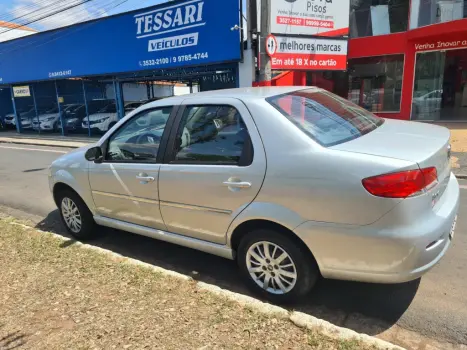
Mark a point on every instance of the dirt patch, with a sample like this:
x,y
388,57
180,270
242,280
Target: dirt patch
x,y
57,295
459,140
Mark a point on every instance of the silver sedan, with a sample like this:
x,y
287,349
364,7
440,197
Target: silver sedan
x,y
293,183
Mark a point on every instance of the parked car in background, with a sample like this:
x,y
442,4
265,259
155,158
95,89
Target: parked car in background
x,y
9,119
293,183
131,106
50,120
107,117
47,119
103,120
427,103
73,117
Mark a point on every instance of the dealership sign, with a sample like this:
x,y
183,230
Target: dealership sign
x,y
310,17
307,53
21,91
171,35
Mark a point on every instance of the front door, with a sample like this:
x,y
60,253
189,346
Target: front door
x,y
124,186
214,169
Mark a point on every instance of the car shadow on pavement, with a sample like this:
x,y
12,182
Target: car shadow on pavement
x,y
363,307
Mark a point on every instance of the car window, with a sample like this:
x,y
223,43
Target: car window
x,y
112,108
139,139
325,117
212,134
52,110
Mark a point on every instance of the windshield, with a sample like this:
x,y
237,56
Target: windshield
x,y
326,118
71,108
112,108
52,110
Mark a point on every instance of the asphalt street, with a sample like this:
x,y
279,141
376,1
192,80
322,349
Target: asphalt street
x,y
433,306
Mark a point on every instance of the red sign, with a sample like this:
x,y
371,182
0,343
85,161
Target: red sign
x,y
440,45
297,21
271,45
308,53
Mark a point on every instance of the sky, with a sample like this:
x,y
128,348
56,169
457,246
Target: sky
x,y
23,11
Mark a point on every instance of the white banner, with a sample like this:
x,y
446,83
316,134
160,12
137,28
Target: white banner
x,y
21,91
307,53
310,17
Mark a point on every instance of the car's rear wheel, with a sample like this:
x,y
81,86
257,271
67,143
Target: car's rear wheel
x,y
76,216
276,267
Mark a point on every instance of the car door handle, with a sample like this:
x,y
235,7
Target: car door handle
x,y
145,178
237,184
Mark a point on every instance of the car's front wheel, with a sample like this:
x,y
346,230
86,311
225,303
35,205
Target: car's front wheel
x,y
276,267
76,216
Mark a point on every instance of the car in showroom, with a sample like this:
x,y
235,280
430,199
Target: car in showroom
x,y
107,117
294,183
47,119
131,106
424,104
73,117
103,119
9,119
26,119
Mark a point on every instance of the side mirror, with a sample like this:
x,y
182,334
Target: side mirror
x,y
94,154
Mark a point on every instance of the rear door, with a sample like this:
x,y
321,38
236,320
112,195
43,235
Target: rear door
x,y
214,168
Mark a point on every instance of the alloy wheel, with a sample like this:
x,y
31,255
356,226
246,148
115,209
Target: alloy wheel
x,y
271,267
71,215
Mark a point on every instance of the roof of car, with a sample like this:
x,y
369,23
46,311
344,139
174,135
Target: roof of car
x,y
242,93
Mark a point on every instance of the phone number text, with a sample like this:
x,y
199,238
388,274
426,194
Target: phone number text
x,y
174,59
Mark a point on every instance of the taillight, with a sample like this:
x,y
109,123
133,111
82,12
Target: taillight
x,y
402,184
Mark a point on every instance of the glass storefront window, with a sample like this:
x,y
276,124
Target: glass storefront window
x,y
426,12
440,89
378,17
374,83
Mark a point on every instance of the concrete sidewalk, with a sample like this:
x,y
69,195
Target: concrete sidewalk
x,y
459,147
46,140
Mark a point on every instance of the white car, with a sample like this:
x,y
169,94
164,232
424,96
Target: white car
x,y
49,121
428,103
103,120
107,117
10,117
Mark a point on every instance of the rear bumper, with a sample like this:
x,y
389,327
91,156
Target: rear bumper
x,y
391,250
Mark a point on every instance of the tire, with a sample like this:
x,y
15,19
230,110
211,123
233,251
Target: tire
x,y
87,229
304,266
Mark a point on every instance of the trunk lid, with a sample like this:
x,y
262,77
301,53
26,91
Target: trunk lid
x,y
424,144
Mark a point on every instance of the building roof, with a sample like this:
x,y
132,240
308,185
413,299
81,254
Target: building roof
x,y
10,25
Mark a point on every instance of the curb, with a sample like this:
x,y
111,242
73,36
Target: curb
x,y
47,143
299,319
461,176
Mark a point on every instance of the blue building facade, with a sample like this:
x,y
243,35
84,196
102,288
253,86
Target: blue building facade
x,y
103,68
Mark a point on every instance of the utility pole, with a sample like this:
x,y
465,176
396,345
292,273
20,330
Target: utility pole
x,y
265,74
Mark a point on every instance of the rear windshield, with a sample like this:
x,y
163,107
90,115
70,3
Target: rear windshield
x,y
326,118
